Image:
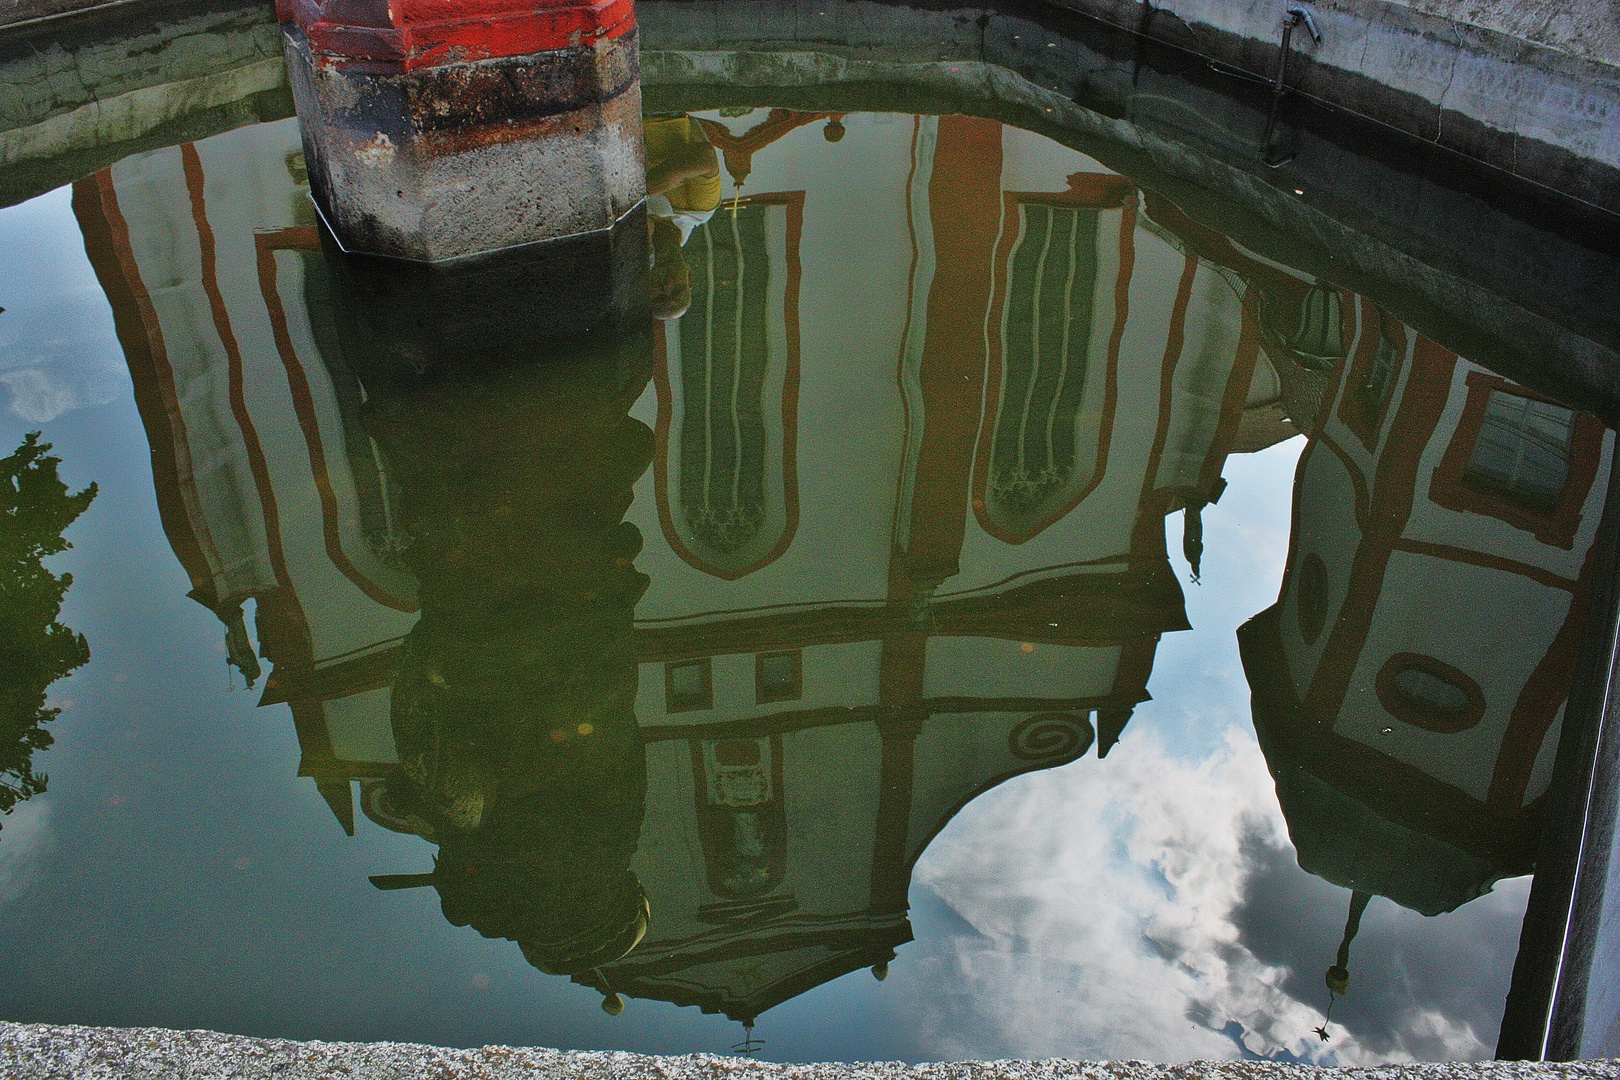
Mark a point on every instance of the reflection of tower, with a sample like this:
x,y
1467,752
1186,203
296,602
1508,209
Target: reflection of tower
x,y
1411,732
513,707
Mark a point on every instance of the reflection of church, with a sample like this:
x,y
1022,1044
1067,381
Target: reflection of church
x,y
939,384
1409,721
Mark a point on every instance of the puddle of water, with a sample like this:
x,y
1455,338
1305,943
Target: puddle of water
x,y
989,614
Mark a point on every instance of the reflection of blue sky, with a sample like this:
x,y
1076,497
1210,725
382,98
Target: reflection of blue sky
x,y
56,319
179,873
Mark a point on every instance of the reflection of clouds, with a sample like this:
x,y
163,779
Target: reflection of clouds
x,y
58,351
1102,908
41,393
25,833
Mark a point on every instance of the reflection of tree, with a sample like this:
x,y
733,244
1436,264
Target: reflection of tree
x,y
35,649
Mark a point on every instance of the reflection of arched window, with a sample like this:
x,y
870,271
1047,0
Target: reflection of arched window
x,y
1054,340
1429,693
729,391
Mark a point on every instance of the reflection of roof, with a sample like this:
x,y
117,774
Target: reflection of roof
x,y
747,975
1342,841
1364,821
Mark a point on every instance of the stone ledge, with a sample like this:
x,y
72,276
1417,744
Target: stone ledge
x,y
58,1052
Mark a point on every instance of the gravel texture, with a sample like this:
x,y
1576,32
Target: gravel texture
x,y
40,1051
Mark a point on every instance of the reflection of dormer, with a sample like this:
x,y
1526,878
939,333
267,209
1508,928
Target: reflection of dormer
x,y
1411,732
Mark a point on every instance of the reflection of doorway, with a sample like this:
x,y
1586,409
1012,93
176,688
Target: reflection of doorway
x,y
728,391
1055,327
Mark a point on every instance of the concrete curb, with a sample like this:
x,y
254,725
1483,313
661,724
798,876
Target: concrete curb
x,y
41,1051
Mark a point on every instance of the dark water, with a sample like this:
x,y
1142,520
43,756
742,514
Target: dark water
x,y
989,614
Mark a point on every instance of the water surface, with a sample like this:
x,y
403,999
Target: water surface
x,y
986,613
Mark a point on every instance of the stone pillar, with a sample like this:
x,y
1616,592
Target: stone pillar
x,y
437,129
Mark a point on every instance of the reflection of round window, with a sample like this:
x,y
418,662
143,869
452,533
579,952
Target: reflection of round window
x,y
1311,599
1430,694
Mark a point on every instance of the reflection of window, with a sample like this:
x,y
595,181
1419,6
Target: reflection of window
x,y
1523,449
1312,598
688,685
1374,370
777,677
729,391
1052,276
1429,693
1520,458
724,357
1061,268
1380,382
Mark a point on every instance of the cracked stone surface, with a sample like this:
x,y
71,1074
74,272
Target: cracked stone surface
x,y
58,1052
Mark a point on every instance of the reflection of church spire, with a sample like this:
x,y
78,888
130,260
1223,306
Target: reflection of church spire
x,y
1192,536
1338,976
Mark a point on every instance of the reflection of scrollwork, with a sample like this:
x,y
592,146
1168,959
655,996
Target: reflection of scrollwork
x,y
1050,736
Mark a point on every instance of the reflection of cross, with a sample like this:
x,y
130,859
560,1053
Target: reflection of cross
x,y
750,1045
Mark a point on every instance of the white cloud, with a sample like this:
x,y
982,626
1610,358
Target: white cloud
x,y
25,835
41,394
1102,897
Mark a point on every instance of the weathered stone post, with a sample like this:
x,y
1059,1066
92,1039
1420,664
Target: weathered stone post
x,y
436,129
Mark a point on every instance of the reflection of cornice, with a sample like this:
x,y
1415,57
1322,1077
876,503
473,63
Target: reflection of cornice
x,y
755,727
793,931
1079,610
369,671
1089,610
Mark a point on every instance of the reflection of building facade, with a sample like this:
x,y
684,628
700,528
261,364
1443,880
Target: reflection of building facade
x,y
1410,727
911,513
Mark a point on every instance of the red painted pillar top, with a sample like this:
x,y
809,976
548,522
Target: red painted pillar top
x,y
401,35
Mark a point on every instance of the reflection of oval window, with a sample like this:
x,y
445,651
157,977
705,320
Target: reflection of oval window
x,y
1312,597
1427,693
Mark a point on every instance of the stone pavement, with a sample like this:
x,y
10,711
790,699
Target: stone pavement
x,y
59,1052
